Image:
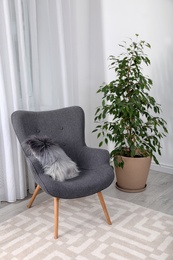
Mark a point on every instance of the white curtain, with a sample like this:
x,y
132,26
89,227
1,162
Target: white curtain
x,y
15,85
50,57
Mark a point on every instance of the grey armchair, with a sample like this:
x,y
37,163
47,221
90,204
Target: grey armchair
x,y
66,127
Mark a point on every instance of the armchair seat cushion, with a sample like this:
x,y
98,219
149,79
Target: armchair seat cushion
x,y
89,181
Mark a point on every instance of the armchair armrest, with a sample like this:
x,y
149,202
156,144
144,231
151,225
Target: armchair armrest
x,y
91,158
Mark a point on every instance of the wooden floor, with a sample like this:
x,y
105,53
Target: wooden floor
x,y
158,196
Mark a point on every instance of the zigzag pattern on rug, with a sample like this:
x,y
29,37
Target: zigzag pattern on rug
x,y
136,232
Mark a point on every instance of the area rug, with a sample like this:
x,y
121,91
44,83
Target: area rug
x,y
136,232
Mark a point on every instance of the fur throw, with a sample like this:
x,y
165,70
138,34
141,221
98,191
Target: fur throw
x,y
53,159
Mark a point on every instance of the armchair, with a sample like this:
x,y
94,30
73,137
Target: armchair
x,y
66,127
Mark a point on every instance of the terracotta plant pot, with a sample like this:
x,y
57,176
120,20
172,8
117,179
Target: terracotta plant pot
x,y
133,176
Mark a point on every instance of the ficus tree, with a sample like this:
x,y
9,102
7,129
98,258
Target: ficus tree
x,y
128,115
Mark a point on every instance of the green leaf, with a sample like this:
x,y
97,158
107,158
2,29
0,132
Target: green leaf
x,y
99,134
106,141
100,144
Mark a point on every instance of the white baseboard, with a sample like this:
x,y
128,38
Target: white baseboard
x,y
162,168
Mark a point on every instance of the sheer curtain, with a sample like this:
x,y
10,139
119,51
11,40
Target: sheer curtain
x,y
15,86
50,57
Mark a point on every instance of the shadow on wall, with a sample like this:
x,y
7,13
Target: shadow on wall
x,y
163,78
96,73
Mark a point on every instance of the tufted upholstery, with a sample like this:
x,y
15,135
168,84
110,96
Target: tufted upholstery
x,y
65,126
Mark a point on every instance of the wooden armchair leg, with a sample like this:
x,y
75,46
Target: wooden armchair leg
x,y
34,196
56,217
104,207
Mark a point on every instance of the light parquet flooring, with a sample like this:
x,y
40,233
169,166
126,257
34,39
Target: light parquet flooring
x,y
157,196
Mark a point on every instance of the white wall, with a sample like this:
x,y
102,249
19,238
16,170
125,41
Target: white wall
x,y
153,21
89,59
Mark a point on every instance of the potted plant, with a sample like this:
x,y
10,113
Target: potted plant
x,y
129,117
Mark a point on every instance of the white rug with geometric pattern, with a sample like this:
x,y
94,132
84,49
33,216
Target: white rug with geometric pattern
x,y
136,232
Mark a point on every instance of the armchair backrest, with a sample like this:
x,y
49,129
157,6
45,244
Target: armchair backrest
x,y
65,126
